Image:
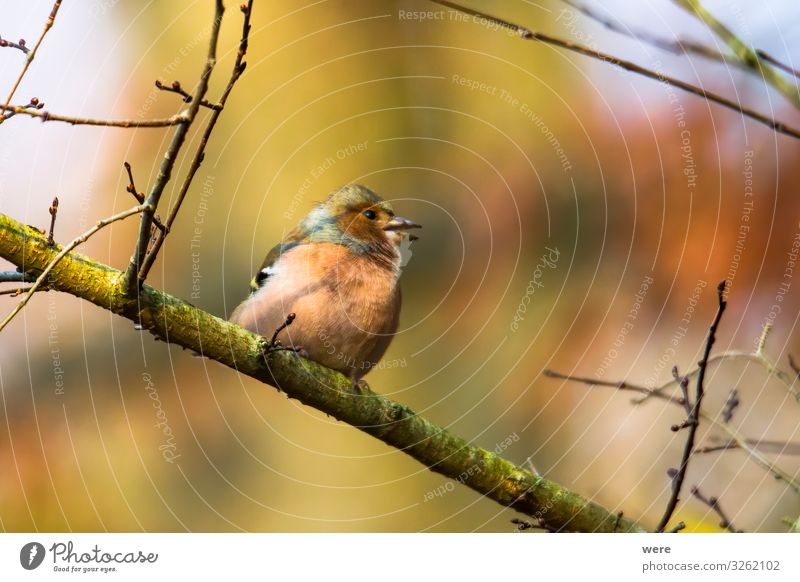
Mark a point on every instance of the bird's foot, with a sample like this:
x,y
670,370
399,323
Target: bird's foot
x,y
360,386
272,346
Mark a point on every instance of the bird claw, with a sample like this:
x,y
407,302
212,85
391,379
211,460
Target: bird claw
x,y
360,386
272,346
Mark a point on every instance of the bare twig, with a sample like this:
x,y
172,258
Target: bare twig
x,y
139,196
33,104
678,527
776,447
238,68
132,186
782,66
175,87
21,46
713,503
693,420
53,210
40,280
527,34
15,277
132,281
627,386
32,55
731,404
177,119
742,50
19,291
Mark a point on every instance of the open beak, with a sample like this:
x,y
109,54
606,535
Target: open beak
x,y
401,224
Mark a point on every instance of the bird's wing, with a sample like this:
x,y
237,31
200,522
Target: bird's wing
x,y
268,267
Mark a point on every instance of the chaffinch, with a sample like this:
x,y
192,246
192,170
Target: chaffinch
x,y
338,273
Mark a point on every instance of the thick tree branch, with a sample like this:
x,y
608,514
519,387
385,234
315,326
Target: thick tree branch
x,y
178,322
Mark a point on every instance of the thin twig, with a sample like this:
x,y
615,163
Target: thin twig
x,y
238,68
742,51
175,87
678,527
19,291
776,447
694,417
782,66
139,196
17,45
618,385
289,320
132,281
177,119
53,210
683,382
713,503
132,186
33,104
527,34
65,251
32,55
731,404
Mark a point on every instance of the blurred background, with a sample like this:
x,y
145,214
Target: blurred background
x,y
576,217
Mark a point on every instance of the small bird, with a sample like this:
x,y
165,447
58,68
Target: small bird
x,y
338,273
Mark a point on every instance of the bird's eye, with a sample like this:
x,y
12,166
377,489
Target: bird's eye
x,y
369,214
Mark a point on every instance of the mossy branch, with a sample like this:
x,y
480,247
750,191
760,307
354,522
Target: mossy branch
x,y
176,321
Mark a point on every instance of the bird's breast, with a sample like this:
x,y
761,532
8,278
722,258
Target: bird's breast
x,y
346,306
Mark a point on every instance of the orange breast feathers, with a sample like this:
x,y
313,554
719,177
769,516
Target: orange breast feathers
x,y
347,307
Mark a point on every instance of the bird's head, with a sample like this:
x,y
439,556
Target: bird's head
x,y
358,218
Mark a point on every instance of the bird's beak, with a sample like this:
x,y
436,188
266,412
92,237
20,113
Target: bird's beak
x,y
401,224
